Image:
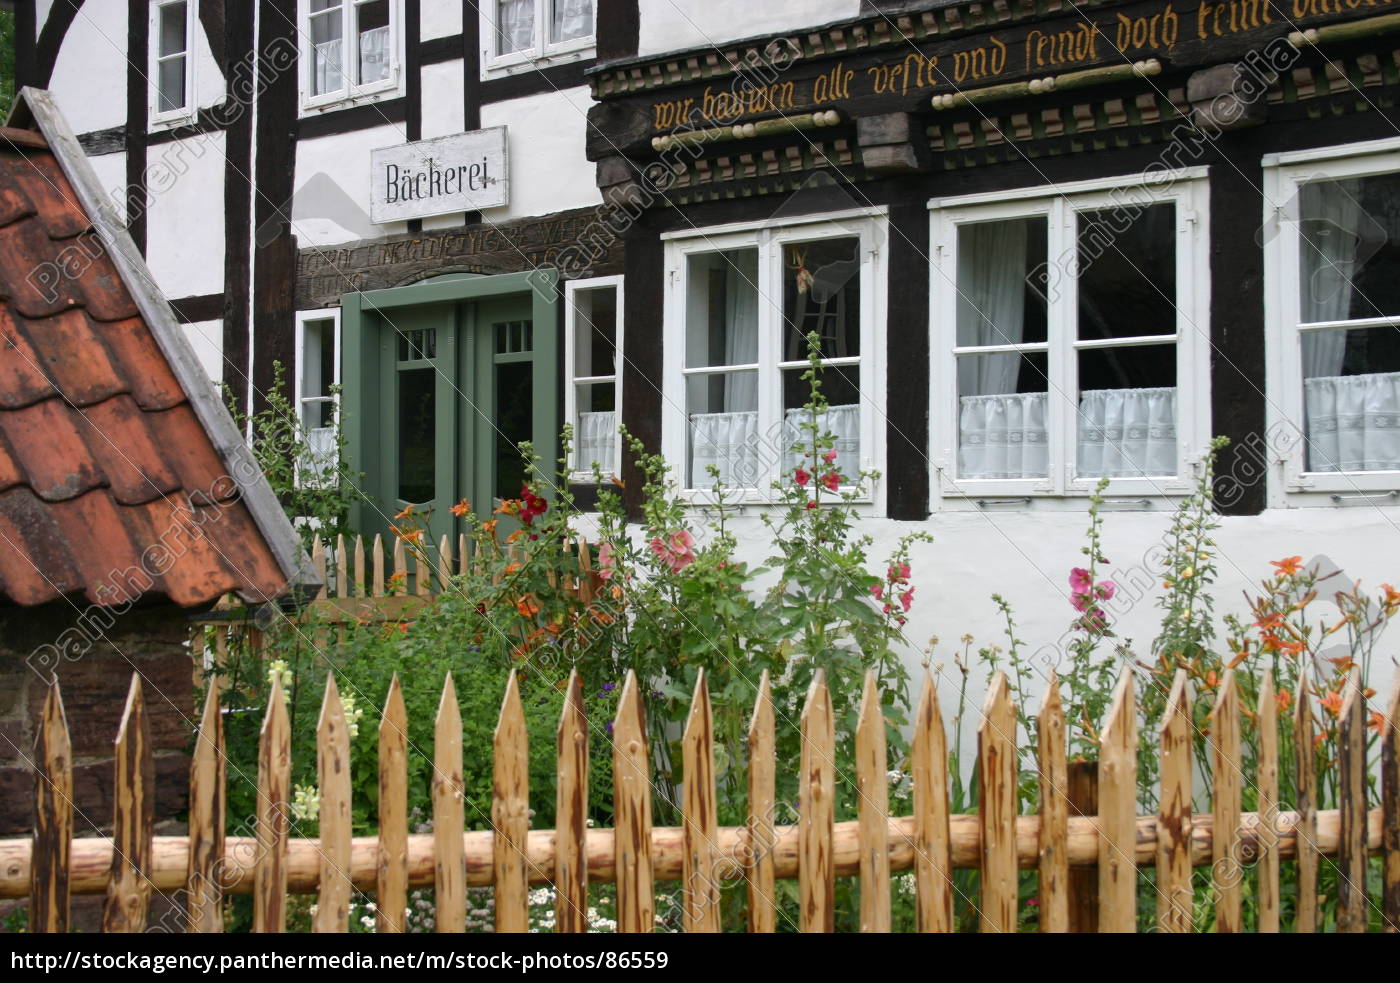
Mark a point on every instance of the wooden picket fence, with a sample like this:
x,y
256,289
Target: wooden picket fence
x,y
510,856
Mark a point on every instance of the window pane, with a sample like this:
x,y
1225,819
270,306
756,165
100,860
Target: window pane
x,y
1127,272
372,28
515,25
172,29
722,410
1001,274
326,75
317,371
595,430
1127,412
1351,389
416,430
595,331
840,386
514,419
821,293
572,19
1001,416
170,84
721,317
1350,248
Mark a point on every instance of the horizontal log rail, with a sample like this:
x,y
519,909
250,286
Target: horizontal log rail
x,y
91,857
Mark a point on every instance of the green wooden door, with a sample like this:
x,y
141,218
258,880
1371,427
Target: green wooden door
x,y
461,384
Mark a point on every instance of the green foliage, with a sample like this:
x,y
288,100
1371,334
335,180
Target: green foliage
x,y
314,489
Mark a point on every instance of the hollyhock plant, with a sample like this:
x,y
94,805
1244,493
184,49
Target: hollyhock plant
x,y
801,476
677,550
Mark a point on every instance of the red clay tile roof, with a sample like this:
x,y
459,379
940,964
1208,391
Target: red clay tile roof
x,y
110,488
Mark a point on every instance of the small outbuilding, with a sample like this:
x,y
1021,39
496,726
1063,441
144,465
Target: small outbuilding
x,y
128,498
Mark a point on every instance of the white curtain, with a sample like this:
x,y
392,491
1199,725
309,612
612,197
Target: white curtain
x,y
327,67
1002,436
1354,422
991,303
374,55
1331,214
843,422
1128,433
730,442
572,19
741,333
515,25
597,440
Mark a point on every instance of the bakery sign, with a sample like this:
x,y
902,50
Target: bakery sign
x,y
465,172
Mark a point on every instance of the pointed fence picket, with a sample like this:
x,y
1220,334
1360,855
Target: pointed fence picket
x,y
704,856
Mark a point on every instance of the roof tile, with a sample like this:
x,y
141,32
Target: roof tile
x,y
106,473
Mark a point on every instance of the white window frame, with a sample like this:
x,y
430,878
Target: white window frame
x,y
1291,483
156,119
349,94
870,225
583,470
543,54
301,399
1188,188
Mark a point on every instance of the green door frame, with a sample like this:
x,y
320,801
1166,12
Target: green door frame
x,y
362,320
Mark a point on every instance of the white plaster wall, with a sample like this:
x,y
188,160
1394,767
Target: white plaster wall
x,y
207,340
209,87
674,25
331,202
111,175
439,19
185,215
442,98
89,78
548,169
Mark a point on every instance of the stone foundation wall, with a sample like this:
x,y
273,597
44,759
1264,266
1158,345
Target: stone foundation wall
x,y
152,642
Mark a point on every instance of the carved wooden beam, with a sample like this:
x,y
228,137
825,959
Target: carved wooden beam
x,y
1052,83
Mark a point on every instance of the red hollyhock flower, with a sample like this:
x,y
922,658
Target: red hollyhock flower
x,y
801,476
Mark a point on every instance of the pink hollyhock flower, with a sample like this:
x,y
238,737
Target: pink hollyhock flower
x,y
682,542
832,480
830,456
878,590
898,572
676,550
907,598
801,476
1080,601
1106,589
1079,581
605,561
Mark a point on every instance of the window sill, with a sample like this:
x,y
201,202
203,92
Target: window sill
x,y
316,105
518,64
171,121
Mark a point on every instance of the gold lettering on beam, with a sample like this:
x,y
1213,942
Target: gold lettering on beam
x,y
1073,46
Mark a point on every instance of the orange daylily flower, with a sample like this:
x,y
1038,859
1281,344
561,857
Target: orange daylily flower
x,y
1285,700
1289,565
511,568
1392,596
1377,721
407,511
1211,680
1342,662
527,606
1269,621
1332,703
461,508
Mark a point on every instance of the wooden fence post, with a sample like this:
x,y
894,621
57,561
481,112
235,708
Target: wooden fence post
x,y
996,806
510,812
1390,813
391,894
273,809
700,895
1083,778
333,777
763,906
571,813
933,867
208,798
1351,788
449,858
636,911
53,818
1226,870
873,806
1305,832
1054,811
816,810
1266,828
1174,813
129,891
1118,811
